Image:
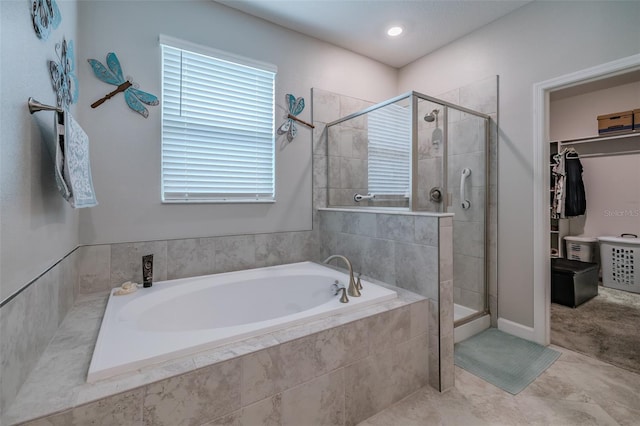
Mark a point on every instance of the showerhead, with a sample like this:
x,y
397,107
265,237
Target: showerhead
x,y
432,116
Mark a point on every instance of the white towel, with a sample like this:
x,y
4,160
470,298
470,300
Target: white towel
x,y
77,168
56,150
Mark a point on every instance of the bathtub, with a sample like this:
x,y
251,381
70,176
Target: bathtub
x,y
180,317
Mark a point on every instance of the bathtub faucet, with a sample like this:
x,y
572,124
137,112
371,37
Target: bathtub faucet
x,y
336,287
353,288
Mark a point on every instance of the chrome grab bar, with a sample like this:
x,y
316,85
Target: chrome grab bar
x,y
359,197
463,182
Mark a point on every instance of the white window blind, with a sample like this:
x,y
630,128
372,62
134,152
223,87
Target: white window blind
x,y
217,126
389,150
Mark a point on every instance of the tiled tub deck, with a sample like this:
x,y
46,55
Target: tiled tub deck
x,y
338,370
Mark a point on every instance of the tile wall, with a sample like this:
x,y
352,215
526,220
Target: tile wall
x,y
410,251
430,151
29,321
103,267
466,149
342,144
400,249
336,376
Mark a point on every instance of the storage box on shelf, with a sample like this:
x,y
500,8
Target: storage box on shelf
x,y
618,122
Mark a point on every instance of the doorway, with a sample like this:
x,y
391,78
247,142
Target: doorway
x,y
542,226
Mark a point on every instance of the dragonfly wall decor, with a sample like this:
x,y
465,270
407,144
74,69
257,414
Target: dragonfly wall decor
x,y
295,105
112,74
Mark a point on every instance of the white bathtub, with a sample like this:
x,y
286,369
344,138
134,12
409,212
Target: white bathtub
x,y
180,317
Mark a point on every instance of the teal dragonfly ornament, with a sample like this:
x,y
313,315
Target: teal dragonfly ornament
x,y
112,74
295,106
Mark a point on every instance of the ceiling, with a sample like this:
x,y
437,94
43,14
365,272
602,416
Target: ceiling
x,y
360,26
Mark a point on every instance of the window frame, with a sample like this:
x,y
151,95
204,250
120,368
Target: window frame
x,y
235,60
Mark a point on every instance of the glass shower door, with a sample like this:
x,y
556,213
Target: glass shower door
x,y
467,183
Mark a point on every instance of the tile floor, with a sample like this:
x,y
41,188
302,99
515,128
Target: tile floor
x,y
575,390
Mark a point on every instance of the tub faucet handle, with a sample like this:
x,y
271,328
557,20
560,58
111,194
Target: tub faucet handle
x,y
337,287
358,282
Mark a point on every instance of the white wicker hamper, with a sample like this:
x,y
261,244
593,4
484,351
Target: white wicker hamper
x,y
620,257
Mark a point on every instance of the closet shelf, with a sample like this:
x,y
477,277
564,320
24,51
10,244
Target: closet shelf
x,y
634,134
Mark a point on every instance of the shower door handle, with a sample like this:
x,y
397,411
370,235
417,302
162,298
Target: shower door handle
x,y
463,182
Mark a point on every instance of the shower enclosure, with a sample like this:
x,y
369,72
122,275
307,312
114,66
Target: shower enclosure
x,y
421,154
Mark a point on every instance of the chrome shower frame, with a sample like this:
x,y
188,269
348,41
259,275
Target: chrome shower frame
x,y
413,98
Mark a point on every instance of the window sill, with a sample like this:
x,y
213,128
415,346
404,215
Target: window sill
x,y
218,201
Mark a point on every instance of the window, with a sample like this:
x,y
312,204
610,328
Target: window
x,y
217,125
389,150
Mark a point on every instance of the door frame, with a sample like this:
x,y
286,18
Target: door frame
x,y
541,222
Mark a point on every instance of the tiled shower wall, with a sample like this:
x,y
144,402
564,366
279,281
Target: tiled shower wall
x,y
409,251
400,249
346,145
466,149
348,168
430,151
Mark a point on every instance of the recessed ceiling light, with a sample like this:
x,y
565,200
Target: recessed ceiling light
x,y
395,31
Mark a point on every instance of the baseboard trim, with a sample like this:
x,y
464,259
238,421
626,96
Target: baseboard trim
x,y
516,329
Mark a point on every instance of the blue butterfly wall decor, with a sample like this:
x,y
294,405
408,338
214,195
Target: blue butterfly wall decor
x,y
63,78
295,105
112,74
45,16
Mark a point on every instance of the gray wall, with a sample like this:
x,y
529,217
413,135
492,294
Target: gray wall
x,y
537,42
37,226
126,148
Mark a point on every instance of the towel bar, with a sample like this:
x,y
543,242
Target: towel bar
x,y
35,106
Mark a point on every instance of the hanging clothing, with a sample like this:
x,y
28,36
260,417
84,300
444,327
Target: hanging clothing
x,y
568,195
575,200
557,186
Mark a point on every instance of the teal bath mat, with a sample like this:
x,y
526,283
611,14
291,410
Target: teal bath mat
x,y
506,361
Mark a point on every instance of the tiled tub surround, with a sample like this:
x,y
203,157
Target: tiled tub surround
x,y
29,321
106,266
339,370
410,250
